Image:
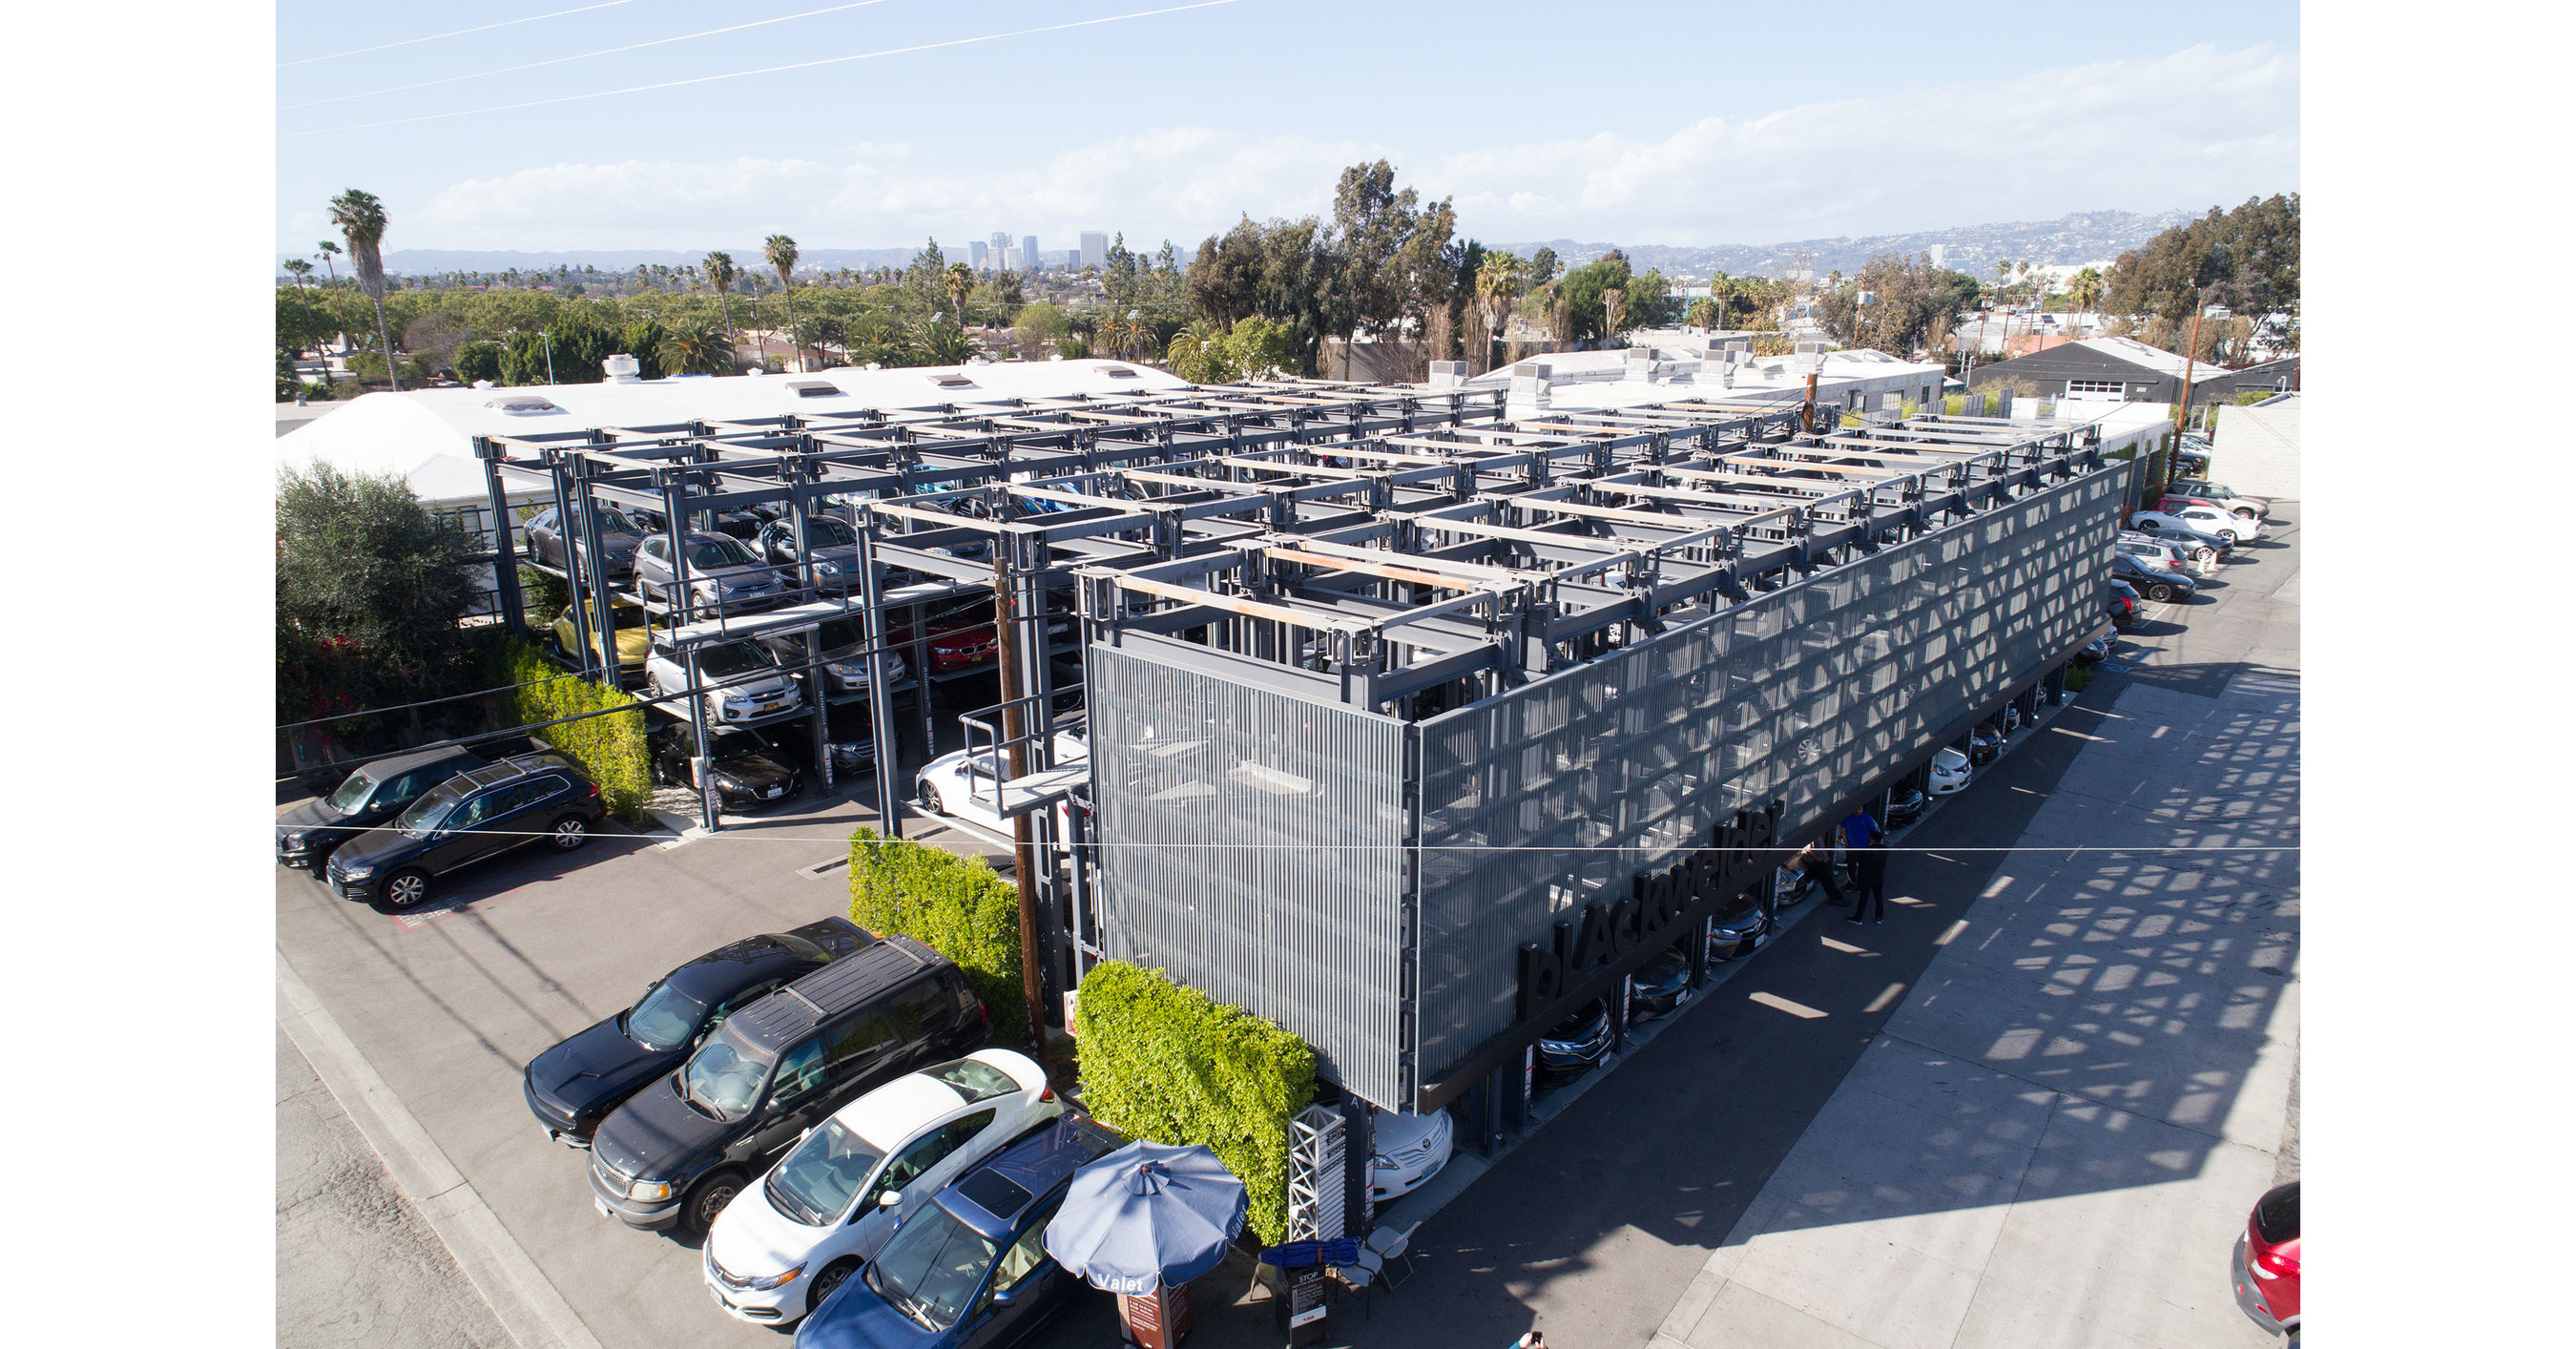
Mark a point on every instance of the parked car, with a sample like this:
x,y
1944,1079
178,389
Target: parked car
x,y
960,785
971,1270
830,1204
841,642
2096,651
1904,805
471,816
1984,743
2122,602
634,636
2155,526
1950,770
833,544
1660,986
2220,495
2170,554
573,1086
733,524
749,771
1408,1149
2159,584
721,572
679,1150
742,681
2206,519
378,791
550,541
1741,929
2266,1265
1574,1045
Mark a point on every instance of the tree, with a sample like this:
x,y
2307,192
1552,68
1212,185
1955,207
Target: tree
x,y
1913,298
328,251
2246,259
364,569
1582,307
361,219
958,282
2085,288
781,252
720,274
478,361
1542,267
298,269
1202,353
1371,224
1224,279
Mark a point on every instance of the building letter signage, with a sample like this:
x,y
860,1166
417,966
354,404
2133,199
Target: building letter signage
x,y
1658,902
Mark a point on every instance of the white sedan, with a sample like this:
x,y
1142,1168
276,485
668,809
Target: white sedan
x,y
960,784
1410,1149
1949,771
2207,519
829,1205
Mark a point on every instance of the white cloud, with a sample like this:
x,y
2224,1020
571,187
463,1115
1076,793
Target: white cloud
x,y
2188,130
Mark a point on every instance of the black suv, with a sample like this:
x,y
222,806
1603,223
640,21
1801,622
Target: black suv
x,y
572,1087
679,1150
465,819
377,792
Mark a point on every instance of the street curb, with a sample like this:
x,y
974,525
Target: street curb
x,y
522,1299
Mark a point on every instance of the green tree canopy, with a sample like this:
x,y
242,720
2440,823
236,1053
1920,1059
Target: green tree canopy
x,y
365,569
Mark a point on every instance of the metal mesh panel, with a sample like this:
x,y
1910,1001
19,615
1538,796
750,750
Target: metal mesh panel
x,y
1252,848
1558,792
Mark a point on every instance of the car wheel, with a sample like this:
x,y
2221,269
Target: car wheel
x,y
930,800
405,889
708,1200
833,1276
570,832
2160,594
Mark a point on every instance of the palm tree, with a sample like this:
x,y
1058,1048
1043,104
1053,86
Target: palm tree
x,y
719,269
1498,283
697,349
361,219
781,252
960,282
329,250
2085,289
299,269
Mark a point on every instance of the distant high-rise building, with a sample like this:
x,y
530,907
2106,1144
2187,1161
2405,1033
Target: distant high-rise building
x,y
975,255
1028,253
1095,250
1009,258
1001,243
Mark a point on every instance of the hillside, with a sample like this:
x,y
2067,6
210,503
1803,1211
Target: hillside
x,y
2087,236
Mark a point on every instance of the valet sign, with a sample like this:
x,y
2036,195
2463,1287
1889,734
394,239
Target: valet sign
x,y
1587,941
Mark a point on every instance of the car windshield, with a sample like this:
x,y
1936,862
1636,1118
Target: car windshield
x,y
933,1265
346,800
725,1075
822,531
429,812
732,658
815,1183
615,521
719,551
665,1019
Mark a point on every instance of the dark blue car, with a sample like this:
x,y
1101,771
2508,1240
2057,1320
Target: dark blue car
x,y
970,1270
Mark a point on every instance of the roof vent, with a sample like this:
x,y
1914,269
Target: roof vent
x,y
815,388
620,369
952,381
1119,371
522,405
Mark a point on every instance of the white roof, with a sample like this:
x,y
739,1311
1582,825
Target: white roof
x,y
1592,379
2139,353
426,436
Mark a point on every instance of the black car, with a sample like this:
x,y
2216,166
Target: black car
x,y
1660,986
1575,1044
1904,805
832,543
550,542
750,772
1985,742
465,819
680,1149
970,1270
2095,652
1741,929
2159,584
2122,602
572,1087
377,792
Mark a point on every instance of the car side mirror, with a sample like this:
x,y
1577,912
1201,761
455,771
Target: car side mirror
x,y
889,1199
1002,1297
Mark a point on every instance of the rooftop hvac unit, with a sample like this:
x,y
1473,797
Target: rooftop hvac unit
x,y
620,369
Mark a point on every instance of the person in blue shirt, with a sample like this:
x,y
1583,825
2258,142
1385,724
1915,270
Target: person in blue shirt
x,y
1866,845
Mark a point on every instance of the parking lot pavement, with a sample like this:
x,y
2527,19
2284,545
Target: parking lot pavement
x,y
357,1264
448,1004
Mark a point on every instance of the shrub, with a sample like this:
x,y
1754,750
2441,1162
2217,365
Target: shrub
x,y
2077,676
958,906
610,749
1171,1064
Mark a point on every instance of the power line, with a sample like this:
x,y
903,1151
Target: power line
x,y
584,56
425,702
766,70
434,37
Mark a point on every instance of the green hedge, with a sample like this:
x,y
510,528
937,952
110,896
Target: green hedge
x,y
1171,1064
958,906
610,749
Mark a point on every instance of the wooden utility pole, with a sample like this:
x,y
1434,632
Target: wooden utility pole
x,y
1015,730
2182,410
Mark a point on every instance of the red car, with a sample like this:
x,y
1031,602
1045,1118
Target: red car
x,y
2267,1262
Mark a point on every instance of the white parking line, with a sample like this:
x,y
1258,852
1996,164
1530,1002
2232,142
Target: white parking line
x,y
1798,1009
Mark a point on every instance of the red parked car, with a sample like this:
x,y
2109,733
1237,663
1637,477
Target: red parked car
x,y
2267,1262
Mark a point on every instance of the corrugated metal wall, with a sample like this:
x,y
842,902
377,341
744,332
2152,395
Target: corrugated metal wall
x,y
1251,846
1559,791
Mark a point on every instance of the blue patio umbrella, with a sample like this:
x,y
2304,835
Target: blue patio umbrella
x,y
1147,1215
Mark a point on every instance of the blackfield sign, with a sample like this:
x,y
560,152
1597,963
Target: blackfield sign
x,y
1740,852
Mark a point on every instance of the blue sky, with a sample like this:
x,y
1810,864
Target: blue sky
x,y
1696,124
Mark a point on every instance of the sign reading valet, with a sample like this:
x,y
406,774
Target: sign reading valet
x,y
1593,939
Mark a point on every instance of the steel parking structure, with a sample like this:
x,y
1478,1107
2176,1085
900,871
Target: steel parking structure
x,y
1378,680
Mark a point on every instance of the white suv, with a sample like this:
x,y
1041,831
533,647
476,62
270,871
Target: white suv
x,y
743,682
2207,519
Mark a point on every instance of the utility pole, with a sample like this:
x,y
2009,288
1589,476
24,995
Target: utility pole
x,y
1015,729
2182,410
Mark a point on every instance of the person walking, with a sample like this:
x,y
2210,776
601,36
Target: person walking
x,y
1818,862
1865,843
